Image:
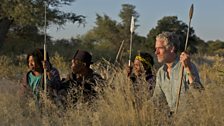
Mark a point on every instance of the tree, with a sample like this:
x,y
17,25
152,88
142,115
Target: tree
x,y
107,29
23,41
108,34
172,24
215,46
16,14
104,37
126,13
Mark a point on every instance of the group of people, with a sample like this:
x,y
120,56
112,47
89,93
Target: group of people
x,y
83,81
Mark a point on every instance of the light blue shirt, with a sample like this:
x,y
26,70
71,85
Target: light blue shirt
x,y
167,88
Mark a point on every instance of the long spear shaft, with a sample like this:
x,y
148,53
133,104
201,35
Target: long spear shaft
x,y
45,52
129,61
132,30
182,70
119,52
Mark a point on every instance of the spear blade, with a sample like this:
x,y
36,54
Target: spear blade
x,y
132,28
191,11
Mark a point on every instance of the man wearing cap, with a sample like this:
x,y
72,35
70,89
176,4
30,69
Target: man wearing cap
x,y
82,83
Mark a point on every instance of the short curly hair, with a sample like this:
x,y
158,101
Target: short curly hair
x,y
170,39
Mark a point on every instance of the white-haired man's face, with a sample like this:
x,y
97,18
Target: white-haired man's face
x,y
163,52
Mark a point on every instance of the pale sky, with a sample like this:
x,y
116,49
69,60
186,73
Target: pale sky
x,y
207,21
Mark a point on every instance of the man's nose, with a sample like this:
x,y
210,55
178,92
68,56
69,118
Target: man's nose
x,y
156,51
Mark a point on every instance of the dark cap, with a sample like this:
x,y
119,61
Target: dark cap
x,y
83,56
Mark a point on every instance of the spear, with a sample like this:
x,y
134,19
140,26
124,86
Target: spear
x,y
186,42
45,46
188,30
119,52
132,30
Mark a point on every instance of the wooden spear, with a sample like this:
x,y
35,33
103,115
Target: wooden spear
x,y
45,48
182,70
119,52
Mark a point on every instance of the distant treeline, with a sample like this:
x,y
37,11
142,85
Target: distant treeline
x,y
22,35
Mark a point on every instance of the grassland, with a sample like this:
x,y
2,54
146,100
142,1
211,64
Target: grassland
x,y
116,105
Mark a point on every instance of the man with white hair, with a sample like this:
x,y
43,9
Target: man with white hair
x,y
168,77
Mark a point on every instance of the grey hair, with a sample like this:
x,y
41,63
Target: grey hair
x,y
170,39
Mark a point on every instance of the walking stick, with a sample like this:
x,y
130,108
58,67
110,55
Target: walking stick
x,y
45,46
182,70
132,30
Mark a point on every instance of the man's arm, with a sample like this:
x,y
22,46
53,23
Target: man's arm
x,y
193,76
191,71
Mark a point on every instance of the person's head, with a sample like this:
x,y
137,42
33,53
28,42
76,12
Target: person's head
x,y
143,63
81,61
40,53
34,62
166,46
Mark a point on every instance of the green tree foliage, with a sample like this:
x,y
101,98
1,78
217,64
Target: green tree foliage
x,y
125,14
108,34
23,41
172,24
215,47
16,14
108,30
105,36
66,48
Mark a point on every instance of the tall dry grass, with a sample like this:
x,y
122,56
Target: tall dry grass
x,y
117,104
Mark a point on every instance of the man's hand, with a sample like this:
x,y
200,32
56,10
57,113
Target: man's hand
x,y
46,65
185,60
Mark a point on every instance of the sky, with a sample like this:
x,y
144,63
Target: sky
x,y
207,21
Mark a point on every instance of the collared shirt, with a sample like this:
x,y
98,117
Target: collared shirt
x,y
168,87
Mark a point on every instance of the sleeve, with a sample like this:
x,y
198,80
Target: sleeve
x,y
196,84
54,80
